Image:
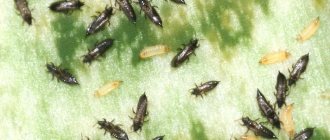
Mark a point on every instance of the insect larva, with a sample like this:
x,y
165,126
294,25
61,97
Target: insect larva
x,y
248,137
274,57
104,90
287,120
309,31
153,50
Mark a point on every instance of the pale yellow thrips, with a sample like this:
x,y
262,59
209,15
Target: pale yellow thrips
x,y
286,119
153,50
248,137
107,88
309,31
274,57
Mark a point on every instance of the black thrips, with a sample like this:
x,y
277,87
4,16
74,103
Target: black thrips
x,y
66,6
150,12
61,74
258,129
98,50
141,112
204,88
267,110
304,134
23,8
128,10
113,129
281,89
99,22
298,69
184,53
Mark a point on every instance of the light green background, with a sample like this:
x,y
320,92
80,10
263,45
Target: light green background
x,y
234,35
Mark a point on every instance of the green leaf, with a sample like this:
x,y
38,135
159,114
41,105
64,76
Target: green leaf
x,y
233,35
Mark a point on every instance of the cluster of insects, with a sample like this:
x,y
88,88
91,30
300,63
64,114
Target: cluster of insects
x,y
284,119
280,56
268,111
66,6
138,120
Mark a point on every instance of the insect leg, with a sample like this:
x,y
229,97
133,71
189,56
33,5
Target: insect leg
x,y
256,120
180,49
263,122
247,131
289,71
133,110
274,105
